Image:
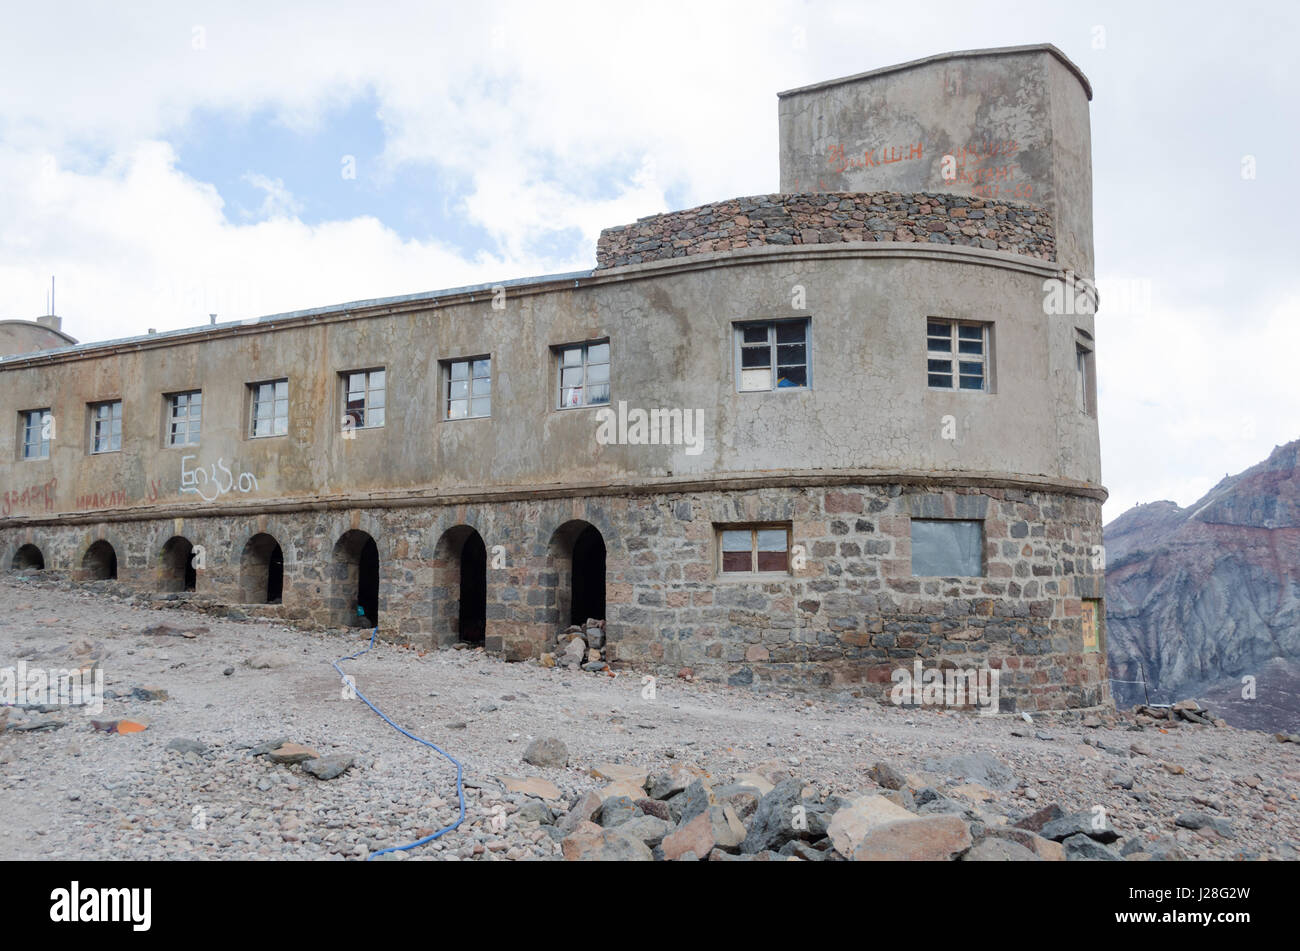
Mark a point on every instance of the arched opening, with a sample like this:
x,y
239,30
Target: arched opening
x,y
577,552
588,577
261,571
100,562
460,587
176,571
472,623
28,558
356,580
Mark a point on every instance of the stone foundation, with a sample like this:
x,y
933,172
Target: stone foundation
x,y
849,614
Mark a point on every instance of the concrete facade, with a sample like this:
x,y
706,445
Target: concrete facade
x,y
414,519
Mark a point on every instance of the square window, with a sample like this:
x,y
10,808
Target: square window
x,y
467,391
364,398
269,408
38,430
754,549
106,427
772,355
584,374
947,548
184,418
956,354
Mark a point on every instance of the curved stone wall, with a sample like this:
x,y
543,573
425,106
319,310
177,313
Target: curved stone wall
x,y
927,217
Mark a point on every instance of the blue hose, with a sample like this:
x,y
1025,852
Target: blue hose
x,y
460,772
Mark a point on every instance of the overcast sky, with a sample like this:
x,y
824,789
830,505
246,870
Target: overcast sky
x,y
167,161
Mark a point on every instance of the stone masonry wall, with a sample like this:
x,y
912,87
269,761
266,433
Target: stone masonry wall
x,y
848,617
926,217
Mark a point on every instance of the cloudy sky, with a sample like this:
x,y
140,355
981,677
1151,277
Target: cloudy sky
x,y
171,160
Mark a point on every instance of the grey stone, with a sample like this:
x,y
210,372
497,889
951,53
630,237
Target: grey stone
x,y
328,767
547,751
187,746
616,810
1079,823
775,821
1080,847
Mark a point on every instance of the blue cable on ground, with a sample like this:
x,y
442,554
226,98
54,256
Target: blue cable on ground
x,y
460,788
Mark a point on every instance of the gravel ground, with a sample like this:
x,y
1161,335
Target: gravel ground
x,y
73,792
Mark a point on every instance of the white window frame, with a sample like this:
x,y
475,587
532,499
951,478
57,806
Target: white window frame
x,y
471,379
774,356
953,354
278,423
369,391
34,421
112,441
189,419
586,366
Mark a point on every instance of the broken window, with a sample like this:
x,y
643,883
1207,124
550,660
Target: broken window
x,y
184,415
106,426
772,355
469,388
36,435
956,354
584,374
947,548
270,408
755,549
363,399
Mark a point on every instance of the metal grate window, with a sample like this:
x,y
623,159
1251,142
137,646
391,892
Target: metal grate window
x,y
36,442
469,389
584,374
956,355
363,398
106,427
772,355
270,408
185,415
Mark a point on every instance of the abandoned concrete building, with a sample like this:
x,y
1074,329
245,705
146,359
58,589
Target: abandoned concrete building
x,y
802,438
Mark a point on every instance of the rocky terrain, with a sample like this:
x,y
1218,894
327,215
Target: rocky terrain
x,y
1198,598
228,738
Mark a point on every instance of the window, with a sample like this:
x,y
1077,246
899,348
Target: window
x,y
184,414
37,429
754,549
363,399
584,374
468,391
270,408
1084,380
947,548
106,426
959,343
772,355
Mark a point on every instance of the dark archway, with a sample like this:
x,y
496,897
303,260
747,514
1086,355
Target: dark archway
x,y
261,571
28,558
576,555
100,562
356,580
176,570
472,623
588,599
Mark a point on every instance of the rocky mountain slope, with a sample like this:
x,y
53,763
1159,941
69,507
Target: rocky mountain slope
x,y
1199,598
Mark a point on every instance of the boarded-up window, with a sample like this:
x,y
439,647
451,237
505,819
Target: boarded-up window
x,y
1093,619
754,549
947,548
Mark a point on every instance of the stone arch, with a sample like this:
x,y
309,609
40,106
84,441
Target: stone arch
x,y
261,570
355,580
460,587
176,571
99,563
577,555
28,558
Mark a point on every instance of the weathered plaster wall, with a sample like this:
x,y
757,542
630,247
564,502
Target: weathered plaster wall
x,y
1015,121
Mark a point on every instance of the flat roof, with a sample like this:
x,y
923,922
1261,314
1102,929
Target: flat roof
x,y
959,54
467,290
